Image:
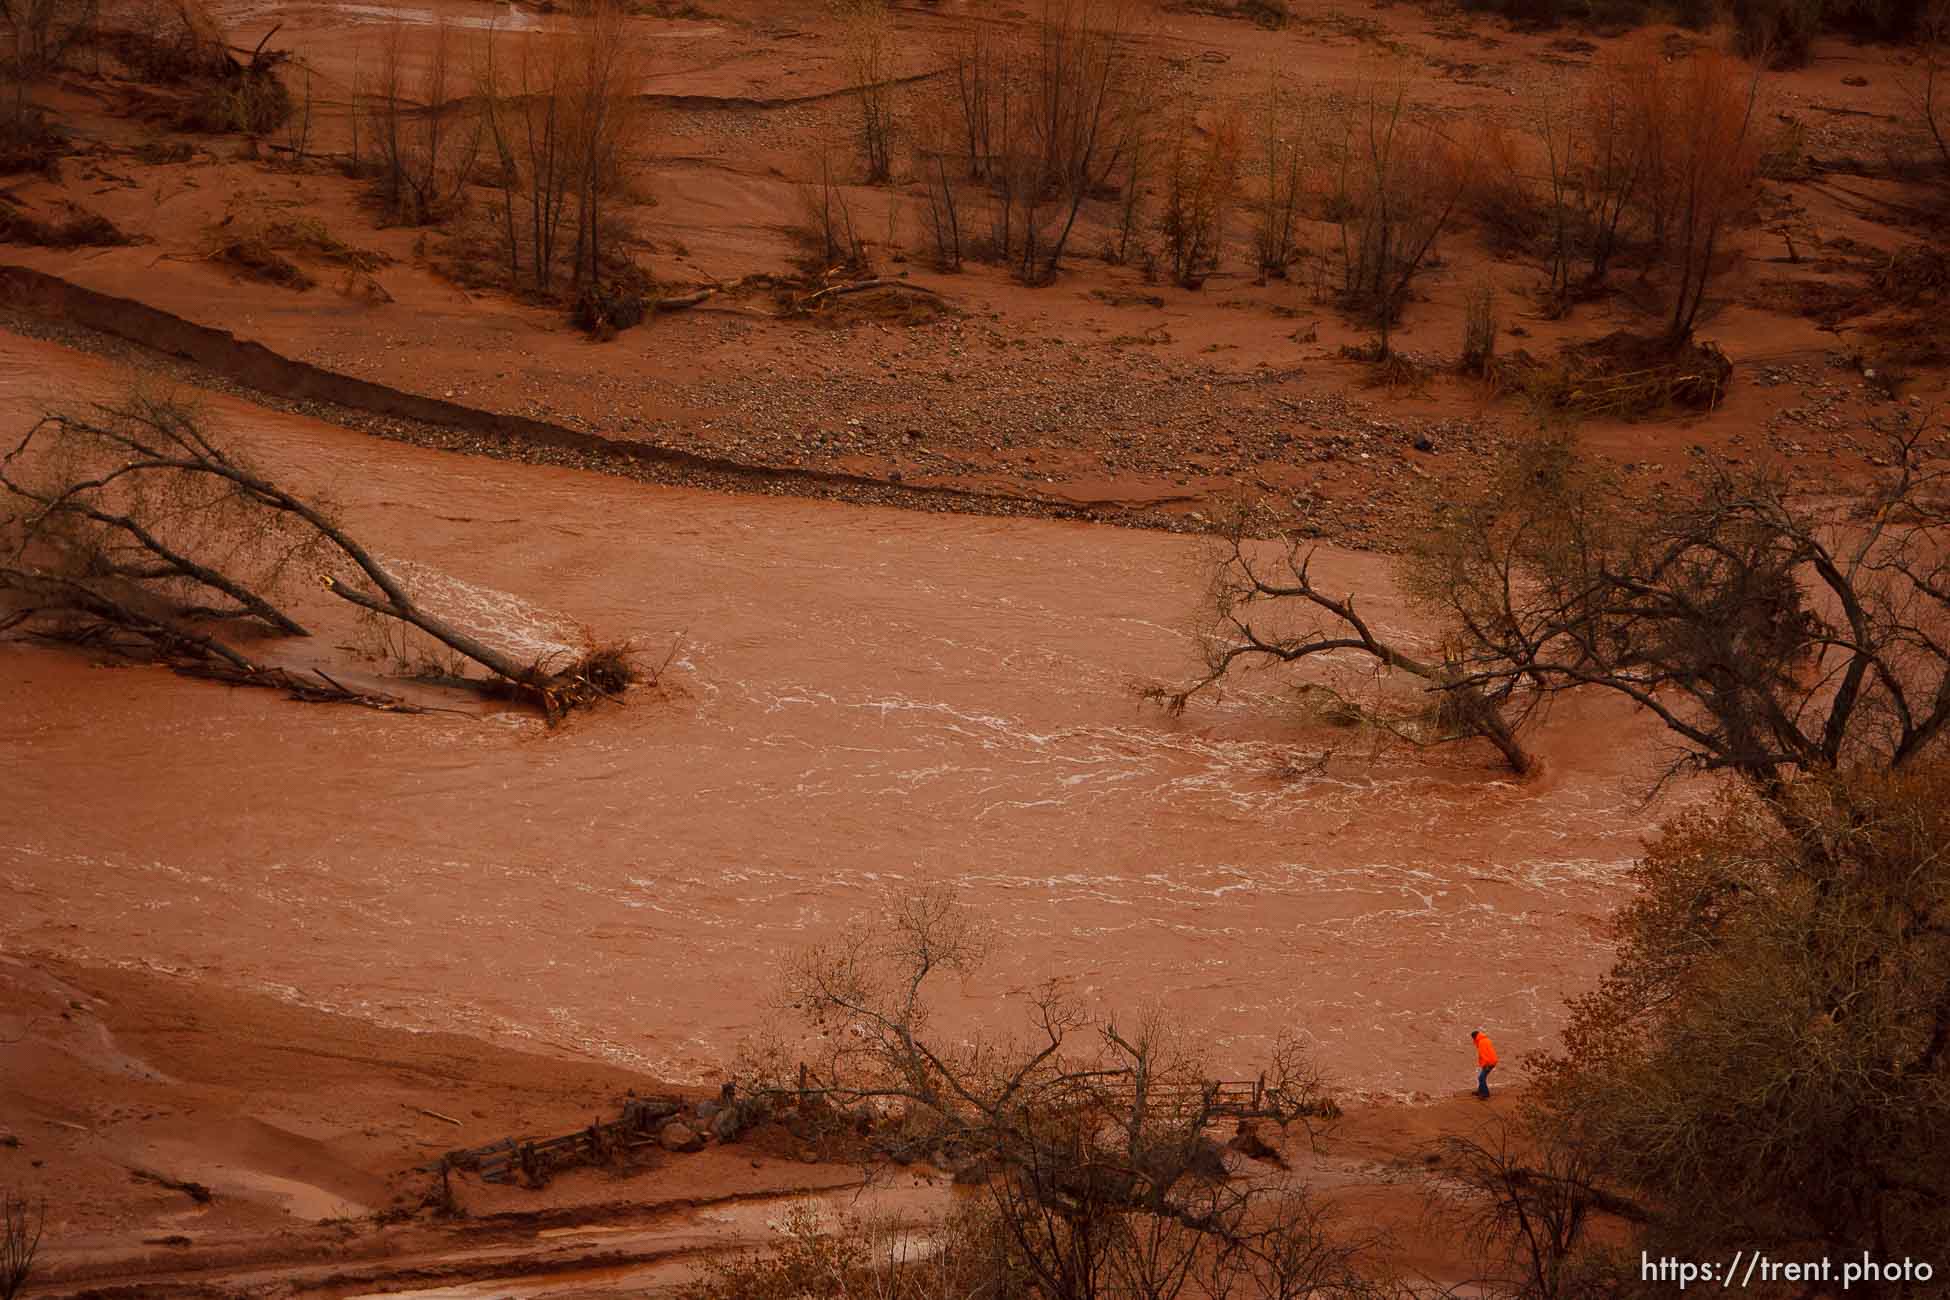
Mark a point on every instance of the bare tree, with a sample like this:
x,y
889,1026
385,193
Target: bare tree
x,y
978,67
529,123
942,211
606,71
429,139
1929,83
1396,185
1616,150
1049,120
133,521
1084,111
1273,611
867,37
830,220
1280,173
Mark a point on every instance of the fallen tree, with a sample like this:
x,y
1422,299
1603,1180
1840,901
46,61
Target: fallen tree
x,y
133,529
1250,593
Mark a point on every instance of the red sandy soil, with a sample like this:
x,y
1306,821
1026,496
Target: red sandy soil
x,y
309,1130
244,940
1099,392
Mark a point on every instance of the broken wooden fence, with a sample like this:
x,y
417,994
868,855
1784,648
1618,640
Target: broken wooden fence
x,y
537,1159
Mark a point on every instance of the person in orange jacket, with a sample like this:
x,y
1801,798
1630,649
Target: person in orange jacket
x,y
1485,1060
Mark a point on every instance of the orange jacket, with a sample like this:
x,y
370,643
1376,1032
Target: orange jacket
x,y
1485,1050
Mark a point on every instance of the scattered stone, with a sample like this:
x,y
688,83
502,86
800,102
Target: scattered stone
x,y
727,1124
678,1136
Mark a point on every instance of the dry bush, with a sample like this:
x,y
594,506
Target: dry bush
x,y
1201,177
21,1226
79,229
1705,154
29,142
1087,1139
610,303
1778,32
42,32
255,237
170,42
1621,375
1270,14
869,1258
1527,1207
298,128
251,101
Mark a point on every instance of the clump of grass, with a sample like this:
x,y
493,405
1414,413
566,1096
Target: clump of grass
x,y
253,103
259,249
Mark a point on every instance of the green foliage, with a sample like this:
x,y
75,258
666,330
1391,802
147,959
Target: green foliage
x,y
1768,1064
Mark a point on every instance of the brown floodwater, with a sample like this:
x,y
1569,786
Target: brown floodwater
x,y
862,698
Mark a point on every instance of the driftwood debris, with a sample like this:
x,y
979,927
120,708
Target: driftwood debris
x,y
698,297
536,1160
434,1114
862,286
195,1191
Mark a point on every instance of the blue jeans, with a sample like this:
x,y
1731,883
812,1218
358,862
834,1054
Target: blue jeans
x,y
1483,1082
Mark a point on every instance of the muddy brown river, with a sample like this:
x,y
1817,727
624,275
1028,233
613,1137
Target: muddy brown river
x,y
861,698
